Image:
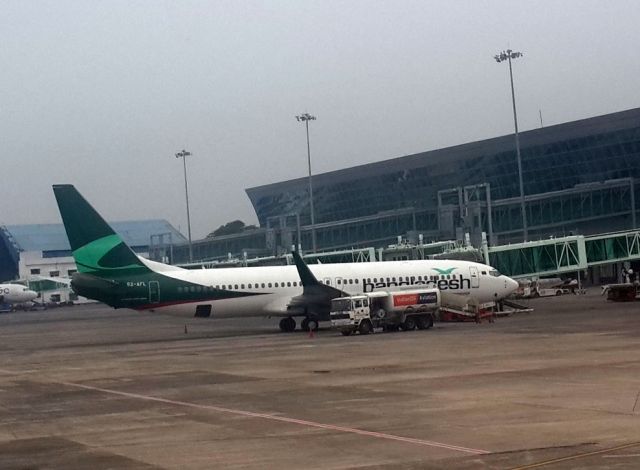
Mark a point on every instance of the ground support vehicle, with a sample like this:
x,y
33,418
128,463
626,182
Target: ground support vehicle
x,y
451,314
625,292
389,310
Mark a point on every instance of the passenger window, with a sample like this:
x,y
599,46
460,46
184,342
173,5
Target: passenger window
x,y
276,285
263,285
484,273
236,286
288,284
242,286
269,284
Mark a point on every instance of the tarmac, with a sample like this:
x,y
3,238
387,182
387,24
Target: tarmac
x,y
91,387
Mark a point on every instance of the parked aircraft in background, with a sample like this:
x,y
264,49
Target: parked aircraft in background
x,y
109,271
16,294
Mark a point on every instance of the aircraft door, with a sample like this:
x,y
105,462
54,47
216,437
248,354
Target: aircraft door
x,y
475,278
154,292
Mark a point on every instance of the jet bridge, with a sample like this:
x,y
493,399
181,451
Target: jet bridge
x,y
564,255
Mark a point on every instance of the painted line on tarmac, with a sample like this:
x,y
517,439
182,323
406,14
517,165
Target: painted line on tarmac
x,y
577,456
283,419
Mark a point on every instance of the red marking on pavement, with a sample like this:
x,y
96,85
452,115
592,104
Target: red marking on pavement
x,y
283,419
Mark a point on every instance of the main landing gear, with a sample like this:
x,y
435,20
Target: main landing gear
x,y
288,324
309,324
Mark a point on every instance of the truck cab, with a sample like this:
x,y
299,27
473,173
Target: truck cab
x,y
347,310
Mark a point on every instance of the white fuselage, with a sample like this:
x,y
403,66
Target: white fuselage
x,y
16,294
460,283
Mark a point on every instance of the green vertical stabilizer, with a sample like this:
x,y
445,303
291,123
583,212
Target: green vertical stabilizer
x,y
96,248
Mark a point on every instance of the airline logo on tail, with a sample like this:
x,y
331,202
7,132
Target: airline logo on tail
x,y
94,256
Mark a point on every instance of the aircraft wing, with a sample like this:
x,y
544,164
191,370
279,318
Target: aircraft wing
x,y
316,297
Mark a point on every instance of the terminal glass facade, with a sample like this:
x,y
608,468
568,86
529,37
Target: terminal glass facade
x,y
567,172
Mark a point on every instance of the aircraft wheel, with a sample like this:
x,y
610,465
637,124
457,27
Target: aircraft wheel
x,y
309,323
312,324
288,324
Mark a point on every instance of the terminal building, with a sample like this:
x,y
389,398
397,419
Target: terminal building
x,y
43,250
578,178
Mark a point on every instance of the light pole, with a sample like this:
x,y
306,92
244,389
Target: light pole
x,y
501,57
184,154
306,117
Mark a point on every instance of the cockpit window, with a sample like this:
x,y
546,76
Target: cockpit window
x,y
495,273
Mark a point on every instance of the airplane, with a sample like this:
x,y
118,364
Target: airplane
x,y
16,294
110,272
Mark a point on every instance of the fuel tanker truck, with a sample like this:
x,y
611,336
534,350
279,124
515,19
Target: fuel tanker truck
x,y
389,310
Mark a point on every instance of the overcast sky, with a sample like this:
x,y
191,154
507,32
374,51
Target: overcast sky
x,y
102,94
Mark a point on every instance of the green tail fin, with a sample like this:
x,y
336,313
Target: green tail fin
x,y
96,248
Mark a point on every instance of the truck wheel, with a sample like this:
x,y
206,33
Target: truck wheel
x,y
346,332
421,322
409,324
365,327
429,321
380,313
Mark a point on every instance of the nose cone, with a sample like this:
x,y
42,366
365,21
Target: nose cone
x,y
31,294
512,286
